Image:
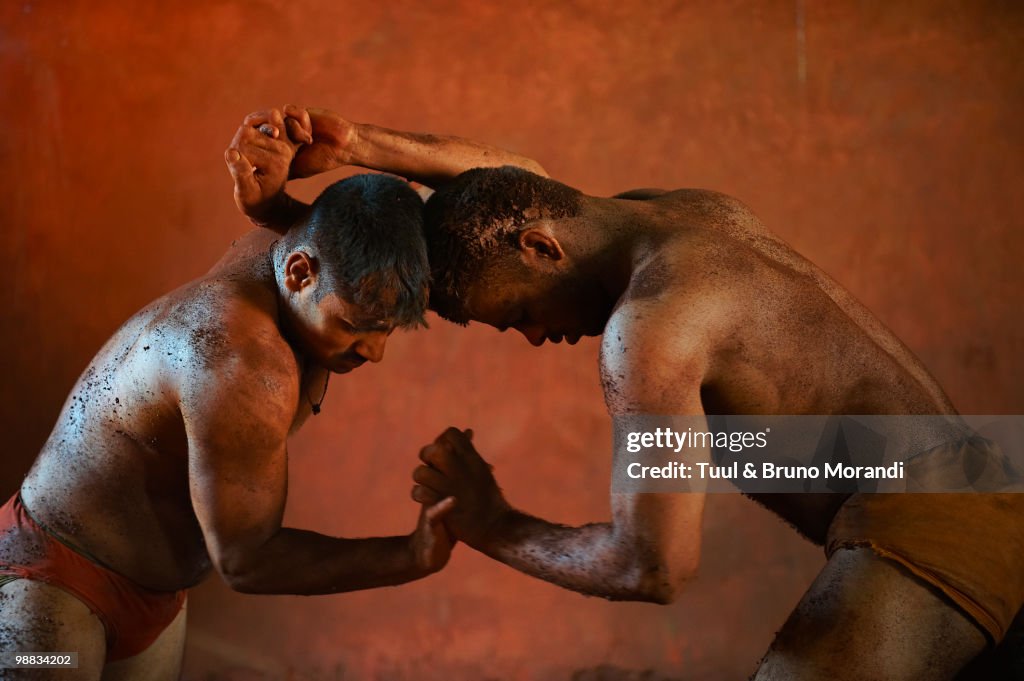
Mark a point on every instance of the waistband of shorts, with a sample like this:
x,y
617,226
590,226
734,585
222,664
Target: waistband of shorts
x,y
71,546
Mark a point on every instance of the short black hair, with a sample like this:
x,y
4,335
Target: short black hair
x,y
478,215
367,231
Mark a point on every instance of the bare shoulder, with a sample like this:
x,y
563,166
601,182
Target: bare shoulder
x,y
230,336
255,242
712,208
681,308
654,355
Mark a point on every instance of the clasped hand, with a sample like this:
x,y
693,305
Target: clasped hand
x,y
452,468
275,145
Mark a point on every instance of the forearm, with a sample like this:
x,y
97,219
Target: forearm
x,y
307,563
429,159
282,214
590,559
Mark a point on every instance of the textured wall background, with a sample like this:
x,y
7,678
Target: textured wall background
x,y
883,141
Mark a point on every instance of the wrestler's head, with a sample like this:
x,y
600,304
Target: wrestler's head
x,y
355,271
503,251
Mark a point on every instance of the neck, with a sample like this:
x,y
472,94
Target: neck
x,y
611,238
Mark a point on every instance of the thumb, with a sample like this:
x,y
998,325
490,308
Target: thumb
x,y
296,133
297,119
242,172
438,511
468,432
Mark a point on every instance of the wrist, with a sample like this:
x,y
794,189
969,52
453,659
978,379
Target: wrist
x,y
280,213
494,530
417,558
350,148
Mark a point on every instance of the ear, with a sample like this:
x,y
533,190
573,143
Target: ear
x,y
299,271
539,244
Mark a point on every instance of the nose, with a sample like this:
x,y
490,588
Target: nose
x,y
371,346
533,333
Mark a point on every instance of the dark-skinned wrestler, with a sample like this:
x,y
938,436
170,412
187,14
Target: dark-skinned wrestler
x,y
702,311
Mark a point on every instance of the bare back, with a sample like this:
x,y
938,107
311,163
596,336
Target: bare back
x,y
774,334
113,477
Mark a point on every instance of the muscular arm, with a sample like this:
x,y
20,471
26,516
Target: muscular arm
x,y
428,159
651,546
299,142
237,412
641,555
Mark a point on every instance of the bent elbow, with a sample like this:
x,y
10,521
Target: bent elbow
x,y
663,584
663,593
238,575
242,583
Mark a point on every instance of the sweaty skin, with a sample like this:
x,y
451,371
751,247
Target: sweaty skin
x,y
169,457
702,310
182,418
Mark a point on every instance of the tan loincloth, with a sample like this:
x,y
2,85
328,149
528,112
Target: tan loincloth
x,y
969,546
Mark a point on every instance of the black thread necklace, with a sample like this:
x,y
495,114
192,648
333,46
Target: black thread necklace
x,y
315,406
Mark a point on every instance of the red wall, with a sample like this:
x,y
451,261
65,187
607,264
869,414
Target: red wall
x,y
884,142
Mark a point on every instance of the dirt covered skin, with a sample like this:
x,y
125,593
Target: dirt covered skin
x,y
113,476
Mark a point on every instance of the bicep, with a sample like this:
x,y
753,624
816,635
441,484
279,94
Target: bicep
x,y
237,424
652,360
653,368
